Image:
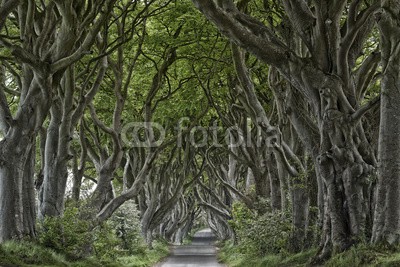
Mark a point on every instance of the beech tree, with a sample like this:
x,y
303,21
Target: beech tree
x,y
77,93
332,33
386,223
50,37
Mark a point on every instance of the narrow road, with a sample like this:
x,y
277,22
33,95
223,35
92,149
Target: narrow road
x,y
200,253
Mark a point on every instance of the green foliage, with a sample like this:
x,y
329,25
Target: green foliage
x,y
260,234
105,241
242,217
68,234
67,241
148,257
234,257
358,256
366,255
24,253
126,223
120,236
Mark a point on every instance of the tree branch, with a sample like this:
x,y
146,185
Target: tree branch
x,y
6,118
6,9
364,109
87,43
301,18
246,32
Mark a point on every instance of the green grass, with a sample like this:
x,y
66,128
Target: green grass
x,y
389,261
29,254
233,256
161,250
299,259
361,255
24,254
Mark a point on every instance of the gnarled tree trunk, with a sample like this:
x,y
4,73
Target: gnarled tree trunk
x,y
386,227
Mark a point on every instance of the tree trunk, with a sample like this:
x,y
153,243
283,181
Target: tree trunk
x,y
8,195
28,195
57,152
261,183
386,228
276,203
249,180
17,158
17,205
55,167
300,207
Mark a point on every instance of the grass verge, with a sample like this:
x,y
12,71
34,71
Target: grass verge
x,y
30,254
361,255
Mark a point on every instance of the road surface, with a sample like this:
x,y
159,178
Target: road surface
x,y
200,253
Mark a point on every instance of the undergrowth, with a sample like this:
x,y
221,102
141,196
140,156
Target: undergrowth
x,y
69,241
32,254
358,256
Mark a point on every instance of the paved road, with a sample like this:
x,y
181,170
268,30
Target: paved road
x,y
200,253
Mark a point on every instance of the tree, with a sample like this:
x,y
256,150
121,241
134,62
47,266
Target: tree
x,y
325,77
387,216
51,38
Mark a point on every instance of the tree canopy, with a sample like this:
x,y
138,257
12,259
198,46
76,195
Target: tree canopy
x,y
232,113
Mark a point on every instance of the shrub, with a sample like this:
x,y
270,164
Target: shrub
x,y
105,241
260,234
127,227
72,236
67,234
120,235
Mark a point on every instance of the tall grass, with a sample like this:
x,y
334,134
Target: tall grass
x,y
25,253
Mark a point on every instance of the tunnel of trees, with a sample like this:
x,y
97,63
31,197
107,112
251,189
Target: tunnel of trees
x,y
276,123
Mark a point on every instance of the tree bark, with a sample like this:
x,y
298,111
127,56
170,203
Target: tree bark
x,y
17,204
386,228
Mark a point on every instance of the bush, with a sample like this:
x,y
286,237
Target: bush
x,y
127,227
260,234
105,242
120,235
147,257
116,242
67,234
